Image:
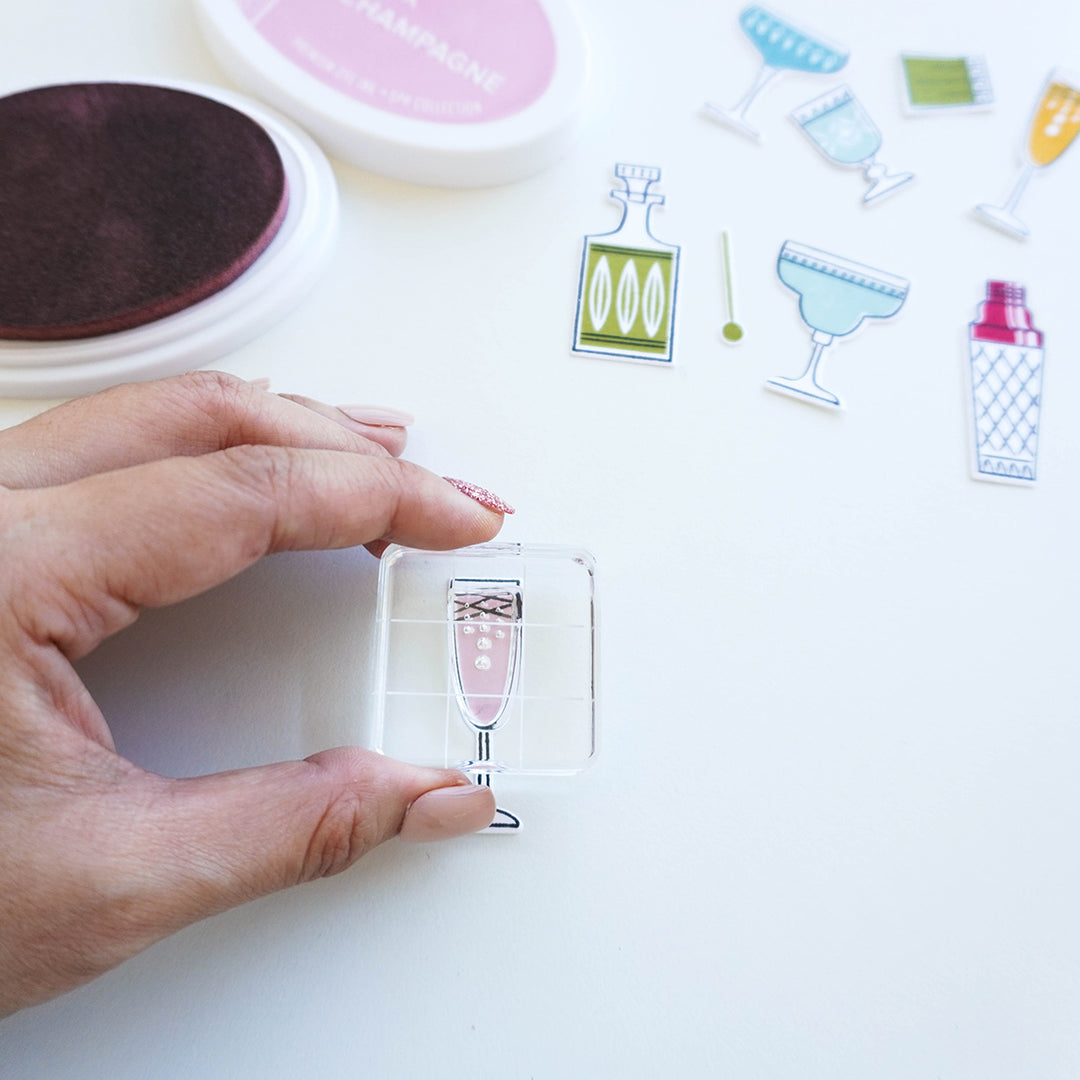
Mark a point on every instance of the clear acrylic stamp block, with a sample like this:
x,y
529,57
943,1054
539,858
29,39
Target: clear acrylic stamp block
x,y
486,660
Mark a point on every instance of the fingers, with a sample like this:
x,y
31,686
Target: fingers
x,y
134,857
192,414
381,425
227,838
103,547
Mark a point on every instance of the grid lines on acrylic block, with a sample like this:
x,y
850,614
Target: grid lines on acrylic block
x,y
1007,391
514,745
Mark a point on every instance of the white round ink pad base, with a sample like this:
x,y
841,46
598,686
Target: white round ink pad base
x,y
453,93
207,330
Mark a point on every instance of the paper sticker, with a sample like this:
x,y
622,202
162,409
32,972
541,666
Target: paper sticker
x,y
1005,354
1053,128
838,125
783,47
731,333
835,297
946,83
629,280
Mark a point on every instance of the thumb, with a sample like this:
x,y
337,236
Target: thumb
x,y
222,839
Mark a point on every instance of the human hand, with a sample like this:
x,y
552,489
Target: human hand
x,y
142,496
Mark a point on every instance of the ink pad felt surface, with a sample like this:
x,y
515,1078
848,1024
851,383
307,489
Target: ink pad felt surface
x,y
458,93
149,229
122,203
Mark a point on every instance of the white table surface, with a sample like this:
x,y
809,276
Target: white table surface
x,y
833,828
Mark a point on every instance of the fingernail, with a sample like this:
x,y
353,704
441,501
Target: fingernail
x,y
481,495
260,384
377,416
447,812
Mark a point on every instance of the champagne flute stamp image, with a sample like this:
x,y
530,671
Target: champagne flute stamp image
x,y
783,47
1052,130
1005,366
628,284
484,617
835,297
840,128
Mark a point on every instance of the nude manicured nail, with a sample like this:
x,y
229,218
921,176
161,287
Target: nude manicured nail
x,y
259,384
481,495
377,415
448,812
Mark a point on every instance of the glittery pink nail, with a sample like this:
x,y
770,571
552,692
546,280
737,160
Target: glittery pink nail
x,y
481,495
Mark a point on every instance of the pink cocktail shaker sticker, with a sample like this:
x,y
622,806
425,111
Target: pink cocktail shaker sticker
x,y
1006,356
446,61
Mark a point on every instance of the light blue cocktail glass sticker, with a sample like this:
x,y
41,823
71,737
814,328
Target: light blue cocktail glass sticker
x,y
840,128
835,297
783,47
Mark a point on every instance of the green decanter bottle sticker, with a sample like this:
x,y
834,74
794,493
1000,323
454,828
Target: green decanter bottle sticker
x,y
629,280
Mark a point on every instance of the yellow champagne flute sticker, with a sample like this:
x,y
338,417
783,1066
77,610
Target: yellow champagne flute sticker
x,y
1054,128
1057,123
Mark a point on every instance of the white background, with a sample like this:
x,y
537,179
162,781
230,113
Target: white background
x,y
832,832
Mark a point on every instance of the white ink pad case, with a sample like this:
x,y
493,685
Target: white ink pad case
x,y
457,93
485,661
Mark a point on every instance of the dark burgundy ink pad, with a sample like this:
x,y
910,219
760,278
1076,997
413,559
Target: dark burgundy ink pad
x,y
121,203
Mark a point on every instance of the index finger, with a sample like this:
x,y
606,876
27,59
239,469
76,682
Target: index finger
x,y
158,533
191,414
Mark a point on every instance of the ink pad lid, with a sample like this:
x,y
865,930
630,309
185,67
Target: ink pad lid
x,y
454,93
208,328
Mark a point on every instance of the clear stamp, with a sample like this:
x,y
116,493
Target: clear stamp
x,y
485,661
